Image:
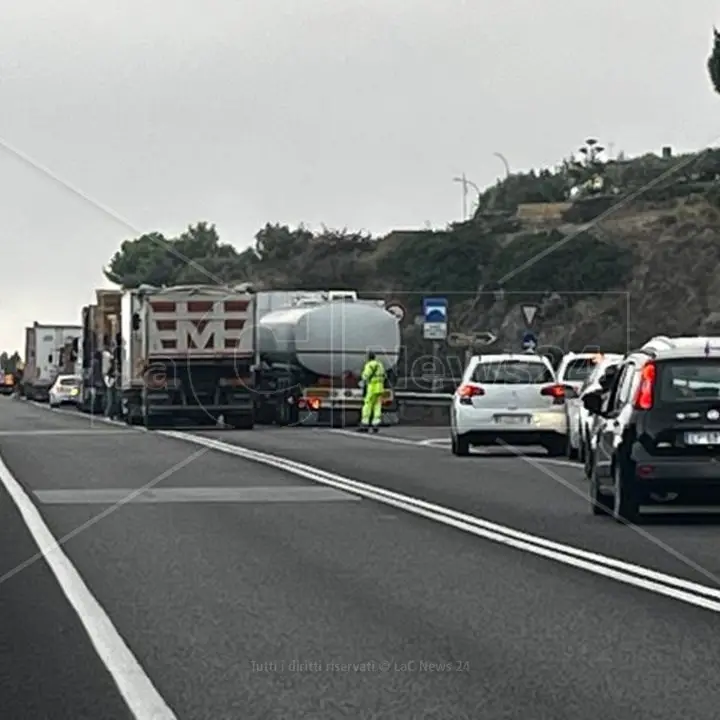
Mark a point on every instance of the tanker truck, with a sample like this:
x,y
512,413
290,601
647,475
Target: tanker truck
x,y
310,351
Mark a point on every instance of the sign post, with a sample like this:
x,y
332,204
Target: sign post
x,y
529,338
435,327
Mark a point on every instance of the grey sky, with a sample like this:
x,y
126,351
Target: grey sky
x,y
351,113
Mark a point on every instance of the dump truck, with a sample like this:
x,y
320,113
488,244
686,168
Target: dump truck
x,y
50,350
186,355
310,351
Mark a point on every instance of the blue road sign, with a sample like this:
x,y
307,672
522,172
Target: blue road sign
x,y
435,318
529,340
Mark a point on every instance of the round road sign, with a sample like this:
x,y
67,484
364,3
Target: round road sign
x,y
397,310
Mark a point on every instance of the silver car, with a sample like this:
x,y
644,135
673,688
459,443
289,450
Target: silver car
x,y
579,420
65,391
512,398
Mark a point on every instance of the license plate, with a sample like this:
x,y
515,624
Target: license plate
x,y
513,419
702,438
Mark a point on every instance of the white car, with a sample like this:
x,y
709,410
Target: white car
x,y
579,418
574,368
65,390
513,398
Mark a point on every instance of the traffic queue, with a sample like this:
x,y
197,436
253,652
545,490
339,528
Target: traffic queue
x,y
645,425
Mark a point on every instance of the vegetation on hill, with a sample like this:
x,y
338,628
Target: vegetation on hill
x,y
611,262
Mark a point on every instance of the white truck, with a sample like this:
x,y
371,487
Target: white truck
x,y
50,350
310,351
187,353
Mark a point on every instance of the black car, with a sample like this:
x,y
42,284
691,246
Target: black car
x,y
659,438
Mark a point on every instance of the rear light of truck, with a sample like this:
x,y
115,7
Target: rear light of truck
x,y
646,391
467,392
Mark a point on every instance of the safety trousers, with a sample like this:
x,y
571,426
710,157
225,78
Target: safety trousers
x,y
372,409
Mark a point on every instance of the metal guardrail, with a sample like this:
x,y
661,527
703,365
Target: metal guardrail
x,y
425,399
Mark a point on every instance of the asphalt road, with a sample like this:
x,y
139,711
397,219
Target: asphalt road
x,y
247,601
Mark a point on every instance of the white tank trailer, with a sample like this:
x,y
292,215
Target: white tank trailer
x,y
330,339
320,342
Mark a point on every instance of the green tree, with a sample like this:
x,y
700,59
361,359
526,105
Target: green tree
x,y
713,63
196,256
8,363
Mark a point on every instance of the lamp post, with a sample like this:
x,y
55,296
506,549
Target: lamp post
x,y
465,184
504,161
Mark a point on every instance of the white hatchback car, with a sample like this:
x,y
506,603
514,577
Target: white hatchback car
x,y
65,390
579,419
514,398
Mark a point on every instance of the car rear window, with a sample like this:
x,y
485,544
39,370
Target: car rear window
x,y
69,382
579,369
689,380
512,372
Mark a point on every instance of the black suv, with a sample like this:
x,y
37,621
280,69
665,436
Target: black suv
x,y
658,440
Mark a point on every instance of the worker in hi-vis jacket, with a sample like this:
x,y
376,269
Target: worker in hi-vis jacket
x,y
373,384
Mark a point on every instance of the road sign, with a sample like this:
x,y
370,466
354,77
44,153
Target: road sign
x,y
529,312
435,318
479,339
397,310
529,340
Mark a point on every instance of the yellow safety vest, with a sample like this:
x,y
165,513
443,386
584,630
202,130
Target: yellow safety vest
x,y
374,375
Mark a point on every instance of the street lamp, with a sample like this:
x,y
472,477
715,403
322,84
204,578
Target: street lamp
x,y
504,161
465,184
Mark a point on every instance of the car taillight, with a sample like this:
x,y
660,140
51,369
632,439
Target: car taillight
x,y
557,392
646,390
467,392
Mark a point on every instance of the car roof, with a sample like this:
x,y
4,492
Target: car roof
x,y
666,348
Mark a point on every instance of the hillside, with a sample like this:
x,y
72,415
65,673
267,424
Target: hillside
x,y
610,262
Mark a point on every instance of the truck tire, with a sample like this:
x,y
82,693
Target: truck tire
x,y
240,422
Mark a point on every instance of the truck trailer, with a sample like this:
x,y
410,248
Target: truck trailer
x,y
50,350
186,353
100,329
310,351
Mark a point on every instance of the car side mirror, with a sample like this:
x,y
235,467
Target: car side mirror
x,y
593,402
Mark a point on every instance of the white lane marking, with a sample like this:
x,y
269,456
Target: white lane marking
x,y
112,496
134,685
368,436
628,573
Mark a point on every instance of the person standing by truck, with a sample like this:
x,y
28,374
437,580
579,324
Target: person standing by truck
x,y
373,382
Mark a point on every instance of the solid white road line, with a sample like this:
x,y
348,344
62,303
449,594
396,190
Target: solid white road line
x,y
134,685
628,573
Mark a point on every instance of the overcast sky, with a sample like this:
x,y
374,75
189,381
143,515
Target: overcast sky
x,y
352,113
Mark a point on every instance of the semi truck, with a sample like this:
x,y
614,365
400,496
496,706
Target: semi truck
x,y
186,353
50,350
310,351
100,327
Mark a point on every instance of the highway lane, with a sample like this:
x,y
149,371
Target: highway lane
x,y
210,595
533,493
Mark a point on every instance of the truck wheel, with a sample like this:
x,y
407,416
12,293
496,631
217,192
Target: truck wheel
x,y
149,422
240,422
